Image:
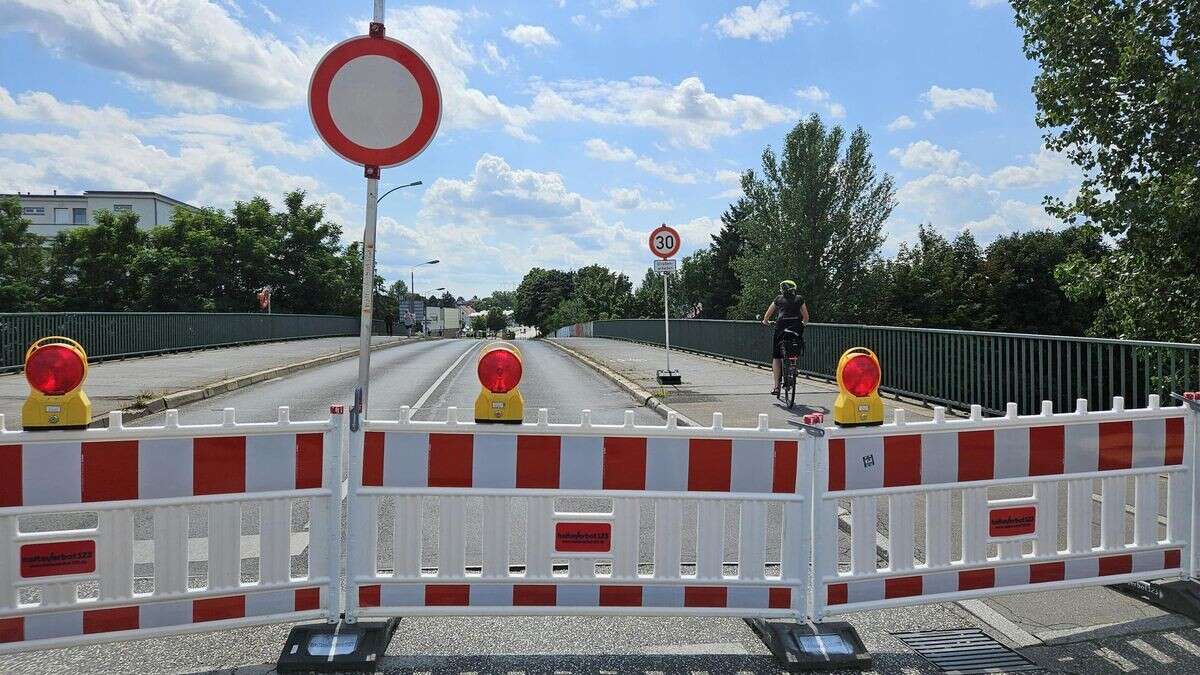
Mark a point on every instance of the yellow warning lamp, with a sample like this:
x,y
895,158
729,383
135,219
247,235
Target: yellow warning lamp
x,y
858,403
55,368
499,372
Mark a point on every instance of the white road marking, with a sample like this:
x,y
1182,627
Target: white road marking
x,y
1183,643
1145,648
442,378
1116,659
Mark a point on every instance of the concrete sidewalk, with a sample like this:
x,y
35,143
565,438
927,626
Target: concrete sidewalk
x,y
116,385
740,392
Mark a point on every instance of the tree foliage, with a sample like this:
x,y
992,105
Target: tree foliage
x,y
815,215
1119,92
21,261
203,260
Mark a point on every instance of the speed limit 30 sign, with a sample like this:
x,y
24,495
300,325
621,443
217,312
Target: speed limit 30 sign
x,y
664,241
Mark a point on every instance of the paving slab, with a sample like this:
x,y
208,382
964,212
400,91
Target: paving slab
x,y
739,391
114,385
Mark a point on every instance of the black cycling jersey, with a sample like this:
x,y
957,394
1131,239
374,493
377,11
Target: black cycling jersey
x,y
788,309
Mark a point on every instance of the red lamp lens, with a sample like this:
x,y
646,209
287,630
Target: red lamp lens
x,y
54,370
860,375
499,371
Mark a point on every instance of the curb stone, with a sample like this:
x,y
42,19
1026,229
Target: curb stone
x,y
180,398
632,388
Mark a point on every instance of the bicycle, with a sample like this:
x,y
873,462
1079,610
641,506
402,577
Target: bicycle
x,y
791,346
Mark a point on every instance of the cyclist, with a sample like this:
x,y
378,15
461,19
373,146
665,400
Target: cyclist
x,y
793,313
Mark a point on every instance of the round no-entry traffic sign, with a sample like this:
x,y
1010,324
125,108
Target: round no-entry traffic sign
x,y
664,241
374,101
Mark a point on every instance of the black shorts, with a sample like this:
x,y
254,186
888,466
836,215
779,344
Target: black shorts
x,y
777,340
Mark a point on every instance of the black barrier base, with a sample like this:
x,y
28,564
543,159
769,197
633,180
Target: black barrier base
x,y
669,377
336,647
1181,596
800,647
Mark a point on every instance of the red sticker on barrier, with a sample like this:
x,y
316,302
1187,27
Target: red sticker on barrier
x,y
583,537
58,558
1014,521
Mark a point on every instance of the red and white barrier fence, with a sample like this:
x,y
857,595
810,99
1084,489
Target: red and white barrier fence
x,y
573,519
1001,505
95,523
547,519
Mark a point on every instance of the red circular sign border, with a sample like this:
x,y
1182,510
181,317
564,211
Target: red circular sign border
x,y
431,101
678,241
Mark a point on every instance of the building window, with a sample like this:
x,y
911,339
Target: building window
x,y
122,207
62,216
79,217
34,210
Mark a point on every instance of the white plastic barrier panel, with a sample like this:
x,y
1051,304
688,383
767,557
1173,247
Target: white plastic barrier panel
x,y
562,519
1014,504
125,533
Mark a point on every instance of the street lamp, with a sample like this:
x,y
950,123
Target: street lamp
x,y
412,184
441,312
412,285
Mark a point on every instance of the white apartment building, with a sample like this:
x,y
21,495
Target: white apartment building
x,y
53,213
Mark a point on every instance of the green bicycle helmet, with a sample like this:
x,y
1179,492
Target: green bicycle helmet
x,y
787,285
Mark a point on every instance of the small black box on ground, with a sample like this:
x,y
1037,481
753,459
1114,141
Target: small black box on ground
x,y
801,647
669,377
336,647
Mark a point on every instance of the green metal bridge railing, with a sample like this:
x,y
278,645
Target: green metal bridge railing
x,y
953,367
109,335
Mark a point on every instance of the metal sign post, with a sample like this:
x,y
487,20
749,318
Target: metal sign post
x,y
368,285
665,243
376,103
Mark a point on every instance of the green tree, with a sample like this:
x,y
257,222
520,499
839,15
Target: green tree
x,y
603,294
934,283
479,324
496,320
307,267
724,287
1117,93
815,215
1018,285
22,261
539,294
94,268
505,300
181,263
648,298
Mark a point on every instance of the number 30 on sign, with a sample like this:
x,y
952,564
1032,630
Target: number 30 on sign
x,y
664,242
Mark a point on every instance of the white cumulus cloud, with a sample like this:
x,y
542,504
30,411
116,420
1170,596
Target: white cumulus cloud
x,y
687,113
927,156
901,122
941,99
598,148
1044,168
530,36
819,97
768,21
183,49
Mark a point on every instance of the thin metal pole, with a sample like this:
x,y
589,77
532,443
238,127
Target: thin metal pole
x,y
666,324
368,288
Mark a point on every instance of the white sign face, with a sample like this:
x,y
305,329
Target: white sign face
x,y
664,266
374,101
664,241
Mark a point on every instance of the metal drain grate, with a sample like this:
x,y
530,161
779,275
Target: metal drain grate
x,y
965,651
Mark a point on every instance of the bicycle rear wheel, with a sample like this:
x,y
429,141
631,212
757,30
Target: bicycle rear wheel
x,y
790,394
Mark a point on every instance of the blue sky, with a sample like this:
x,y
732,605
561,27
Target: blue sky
x,y
571,127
